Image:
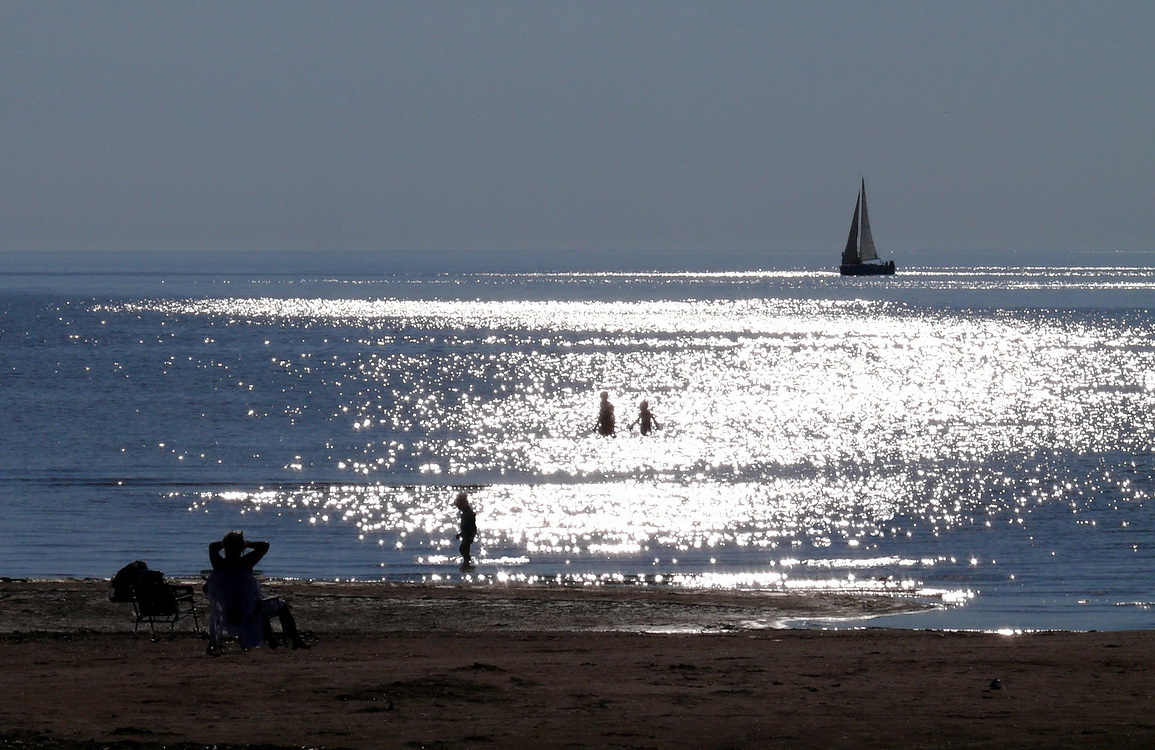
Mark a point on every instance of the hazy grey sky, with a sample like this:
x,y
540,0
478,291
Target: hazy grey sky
x,y
567,126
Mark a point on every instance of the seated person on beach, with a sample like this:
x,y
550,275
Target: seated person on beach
x,y
606,415
468,529
646,419
236,606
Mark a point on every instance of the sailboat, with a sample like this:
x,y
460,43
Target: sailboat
x,y
860,258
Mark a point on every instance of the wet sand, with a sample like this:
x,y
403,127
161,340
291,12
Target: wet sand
x,y
470,667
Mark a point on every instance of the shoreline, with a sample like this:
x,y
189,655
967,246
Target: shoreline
x,y
467,667
67,605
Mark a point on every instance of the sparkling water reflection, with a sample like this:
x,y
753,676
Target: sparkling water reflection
x,y
813,433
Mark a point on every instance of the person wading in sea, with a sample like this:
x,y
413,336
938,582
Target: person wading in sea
x,y
468,529
645,419
606,419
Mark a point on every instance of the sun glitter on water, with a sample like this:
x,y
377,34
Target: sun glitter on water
x,y
799,436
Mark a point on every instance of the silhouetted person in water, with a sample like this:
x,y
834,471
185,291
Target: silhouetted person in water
x,y
236,606
645,419
606,415
468,529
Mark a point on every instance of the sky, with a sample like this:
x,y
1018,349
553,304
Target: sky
x,y
658,132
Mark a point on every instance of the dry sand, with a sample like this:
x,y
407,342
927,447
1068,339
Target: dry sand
x,y
493,667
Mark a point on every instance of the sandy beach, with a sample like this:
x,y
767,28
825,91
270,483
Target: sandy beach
x,y
472,667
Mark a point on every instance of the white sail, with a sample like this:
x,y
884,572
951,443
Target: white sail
x,y
866,249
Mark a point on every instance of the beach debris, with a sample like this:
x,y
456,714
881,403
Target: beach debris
x,y
996,684
483,667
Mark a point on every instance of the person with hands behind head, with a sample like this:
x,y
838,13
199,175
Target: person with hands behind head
x,y
236,606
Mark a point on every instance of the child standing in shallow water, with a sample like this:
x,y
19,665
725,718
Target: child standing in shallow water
x,y
468,529
645,419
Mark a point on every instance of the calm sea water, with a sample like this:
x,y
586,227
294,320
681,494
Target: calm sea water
x,y
978,437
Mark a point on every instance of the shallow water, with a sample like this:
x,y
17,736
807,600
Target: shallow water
x,y
980,438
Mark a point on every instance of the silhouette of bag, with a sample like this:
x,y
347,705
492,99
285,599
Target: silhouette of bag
x,y
123,585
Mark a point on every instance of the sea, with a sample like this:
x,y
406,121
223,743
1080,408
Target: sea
x,y
978,438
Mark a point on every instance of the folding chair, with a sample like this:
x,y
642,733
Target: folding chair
x,y
154,600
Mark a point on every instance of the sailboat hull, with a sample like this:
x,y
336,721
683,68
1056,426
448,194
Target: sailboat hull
x,y
867,269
